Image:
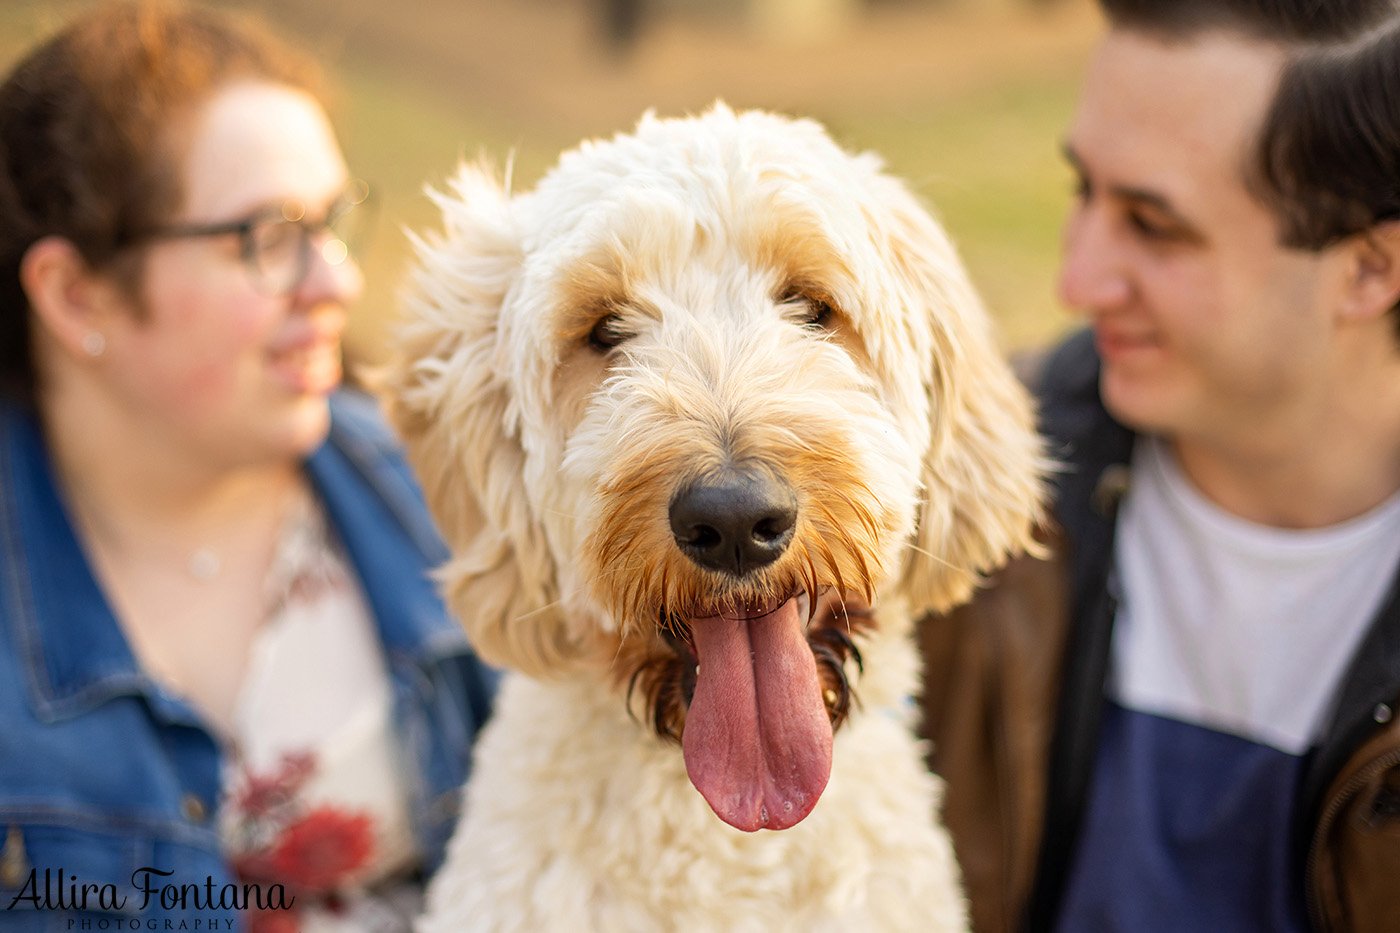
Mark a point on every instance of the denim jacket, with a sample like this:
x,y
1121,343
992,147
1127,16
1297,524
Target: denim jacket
x,y
103,773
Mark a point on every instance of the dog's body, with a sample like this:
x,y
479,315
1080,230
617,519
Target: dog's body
x,y
578,819
707,418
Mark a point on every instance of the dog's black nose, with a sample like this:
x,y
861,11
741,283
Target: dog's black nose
x,y
735,521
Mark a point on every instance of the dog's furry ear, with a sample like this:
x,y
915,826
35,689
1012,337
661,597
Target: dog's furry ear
x,y
454,411
983,471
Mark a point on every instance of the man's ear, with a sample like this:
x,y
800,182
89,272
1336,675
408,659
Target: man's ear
x,y
69,300
1374,286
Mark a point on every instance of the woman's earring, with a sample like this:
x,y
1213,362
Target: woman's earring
x,y
94,343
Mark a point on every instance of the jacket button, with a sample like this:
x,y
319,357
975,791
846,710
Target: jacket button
x,y
1112,486
193,808
1382,713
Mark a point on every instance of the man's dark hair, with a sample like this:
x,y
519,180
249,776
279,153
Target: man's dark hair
x,y
1327,159
1329,149
1291,21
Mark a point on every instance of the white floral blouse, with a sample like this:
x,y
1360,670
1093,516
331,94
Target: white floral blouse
x,y
314,798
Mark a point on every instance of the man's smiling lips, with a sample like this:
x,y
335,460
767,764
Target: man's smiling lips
x,y
1114,341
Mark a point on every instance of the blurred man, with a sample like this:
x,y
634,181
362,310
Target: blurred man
x,y
1206,740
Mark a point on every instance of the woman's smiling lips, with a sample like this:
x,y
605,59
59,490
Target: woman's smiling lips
x,y
307,360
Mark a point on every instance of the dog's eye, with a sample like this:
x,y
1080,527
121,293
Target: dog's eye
x,y
820,314
607,333
816,312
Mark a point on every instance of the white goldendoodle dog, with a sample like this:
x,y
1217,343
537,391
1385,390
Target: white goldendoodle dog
x,y
707,418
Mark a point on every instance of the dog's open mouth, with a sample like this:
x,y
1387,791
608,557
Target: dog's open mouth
x,y
757,737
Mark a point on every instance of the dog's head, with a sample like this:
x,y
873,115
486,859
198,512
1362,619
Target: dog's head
x,y
708,385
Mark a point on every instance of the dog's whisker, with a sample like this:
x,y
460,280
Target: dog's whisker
x,y
617,655
541,610
936,558
845,615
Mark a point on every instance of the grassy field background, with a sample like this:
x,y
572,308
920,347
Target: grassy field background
x,y
967,99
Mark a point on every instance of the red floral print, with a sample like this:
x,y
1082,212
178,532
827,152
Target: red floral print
x,y
313,853
323,850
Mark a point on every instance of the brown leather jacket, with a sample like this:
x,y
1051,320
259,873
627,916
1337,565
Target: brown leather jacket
x,y
1014,683
990,680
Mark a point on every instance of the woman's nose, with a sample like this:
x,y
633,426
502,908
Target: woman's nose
x,y
333,274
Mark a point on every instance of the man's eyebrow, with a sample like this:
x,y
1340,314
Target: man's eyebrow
x,y
1146,196
1072,157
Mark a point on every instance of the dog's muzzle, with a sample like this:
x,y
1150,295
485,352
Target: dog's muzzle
x,y
735,521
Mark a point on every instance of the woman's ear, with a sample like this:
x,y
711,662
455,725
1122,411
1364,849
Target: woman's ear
x,y
1374,279
72,304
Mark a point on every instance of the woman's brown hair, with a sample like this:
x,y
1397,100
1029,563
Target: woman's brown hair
x,y
90,125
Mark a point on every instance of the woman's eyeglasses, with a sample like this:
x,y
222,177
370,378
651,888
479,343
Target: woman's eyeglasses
x,y
277,243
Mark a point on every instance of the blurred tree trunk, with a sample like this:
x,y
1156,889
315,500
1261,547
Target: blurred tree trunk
x,y
622,22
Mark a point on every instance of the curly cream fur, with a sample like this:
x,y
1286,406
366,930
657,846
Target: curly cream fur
x,y
549,464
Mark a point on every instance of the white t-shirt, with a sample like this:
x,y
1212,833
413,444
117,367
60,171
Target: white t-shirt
x,y
1237,626
1228,647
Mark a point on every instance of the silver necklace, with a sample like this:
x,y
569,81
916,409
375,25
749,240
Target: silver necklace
x,y
204,565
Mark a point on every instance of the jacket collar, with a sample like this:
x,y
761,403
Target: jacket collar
x,y
78,658
1095,452
374,503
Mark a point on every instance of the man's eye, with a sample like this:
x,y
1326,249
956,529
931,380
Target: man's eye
x,y
1149,227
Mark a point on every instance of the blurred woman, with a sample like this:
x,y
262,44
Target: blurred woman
x,y
228,690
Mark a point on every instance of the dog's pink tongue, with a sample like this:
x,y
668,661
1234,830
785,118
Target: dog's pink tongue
x,y
757,737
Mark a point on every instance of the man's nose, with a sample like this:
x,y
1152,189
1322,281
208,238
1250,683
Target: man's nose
x,y
1094,272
